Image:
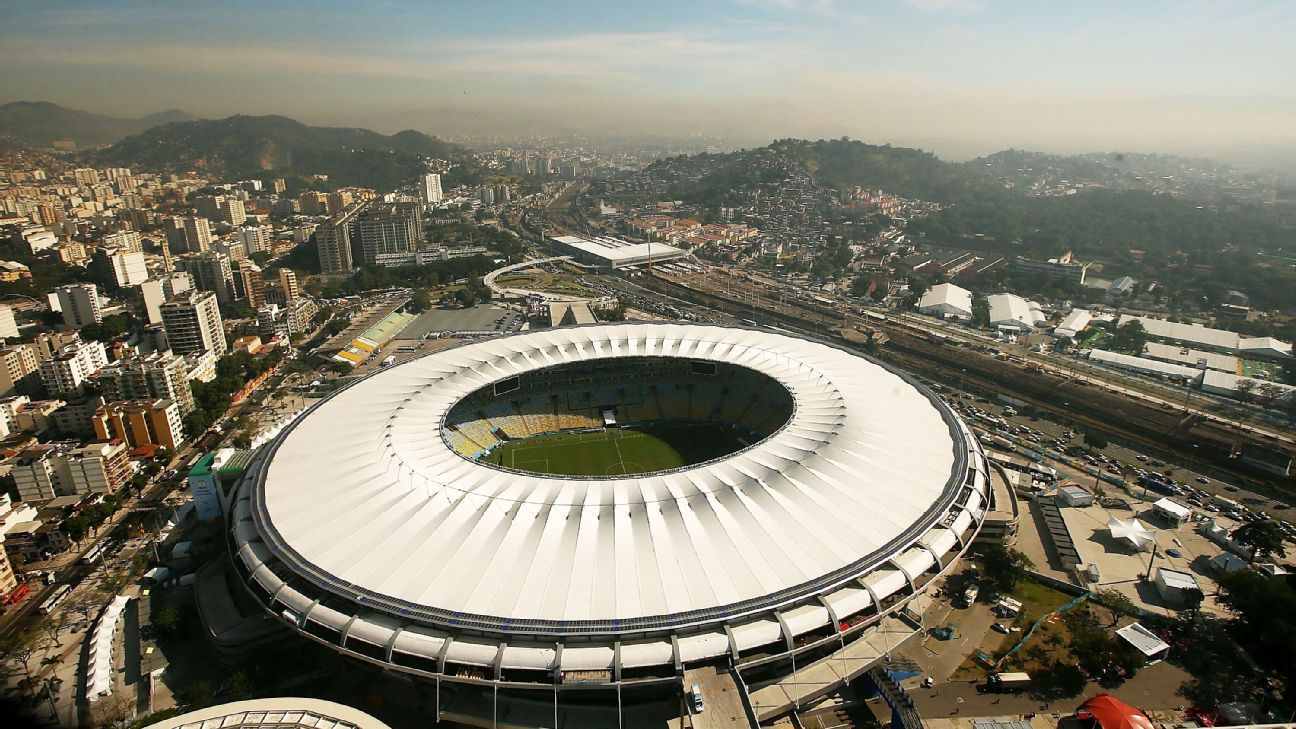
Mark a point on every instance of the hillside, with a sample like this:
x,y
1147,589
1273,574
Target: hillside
x,y
39,123
839,163
1005,204
268,146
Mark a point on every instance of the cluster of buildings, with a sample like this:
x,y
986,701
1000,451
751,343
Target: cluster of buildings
x,y
689,233
83,407
783,218
376,233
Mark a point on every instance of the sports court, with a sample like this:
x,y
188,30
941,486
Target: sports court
x,y
620,451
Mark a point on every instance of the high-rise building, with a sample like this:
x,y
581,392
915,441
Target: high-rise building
x,y
8,324
193,323
197,235
174,228
333,241
211,271
225,209
233,248
389,228
127,239
49,344
19,369
119,267
429,189
249,283
288,282
140,423
8,581
86,177
65,373
255,238
158,290
160,375
79,304
291,319
65,469
313,203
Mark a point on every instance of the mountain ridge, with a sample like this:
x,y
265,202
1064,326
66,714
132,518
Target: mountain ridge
x,y
274,145
39,124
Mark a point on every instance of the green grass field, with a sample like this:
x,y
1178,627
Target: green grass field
x,y
619,451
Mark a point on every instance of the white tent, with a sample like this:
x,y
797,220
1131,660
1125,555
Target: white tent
x,y
1131,533
1228,562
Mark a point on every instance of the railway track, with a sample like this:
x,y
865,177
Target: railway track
x,y
1155,428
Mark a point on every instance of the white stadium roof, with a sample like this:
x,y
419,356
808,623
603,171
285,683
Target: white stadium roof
x,y
363,498
616,252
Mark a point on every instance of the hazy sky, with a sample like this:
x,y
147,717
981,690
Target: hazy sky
x,y
953,75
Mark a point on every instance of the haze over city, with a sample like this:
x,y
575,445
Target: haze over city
x,y
960,77
735,364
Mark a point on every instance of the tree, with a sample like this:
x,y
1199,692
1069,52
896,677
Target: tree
x,y
1263,537
1095,440
107,330
113,710
167,620
20,647
195,695
1004,566
1263,606
1245,389
420,301
1130,337
1267,393
981,312
1059,681
1106,659
52,625
1115,601
86,603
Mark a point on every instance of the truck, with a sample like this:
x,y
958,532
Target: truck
x,y
970,595
1224,503
695,697
1008,682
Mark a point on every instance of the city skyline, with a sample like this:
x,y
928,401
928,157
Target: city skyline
x,y
958,76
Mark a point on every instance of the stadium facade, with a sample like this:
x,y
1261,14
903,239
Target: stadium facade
x,y
376,524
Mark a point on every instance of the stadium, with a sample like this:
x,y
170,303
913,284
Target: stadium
x,y
608,506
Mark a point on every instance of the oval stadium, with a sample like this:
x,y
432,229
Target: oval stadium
x,y
610,507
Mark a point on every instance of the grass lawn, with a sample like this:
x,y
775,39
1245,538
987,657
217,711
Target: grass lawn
x,y
619,451
1271,371
1049,642
1095,340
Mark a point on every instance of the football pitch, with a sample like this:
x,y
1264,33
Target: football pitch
x,y
619,451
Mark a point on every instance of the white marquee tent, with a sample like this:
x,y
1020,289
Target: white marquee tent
x,y
1131,532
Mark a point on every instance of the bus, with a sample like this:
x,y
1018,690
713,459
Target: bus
x,y
1150,481
59,595
94,553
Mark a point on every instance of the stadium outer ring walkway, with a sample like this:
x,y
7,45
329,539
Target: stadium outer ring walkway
x,y
507,292
528,651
